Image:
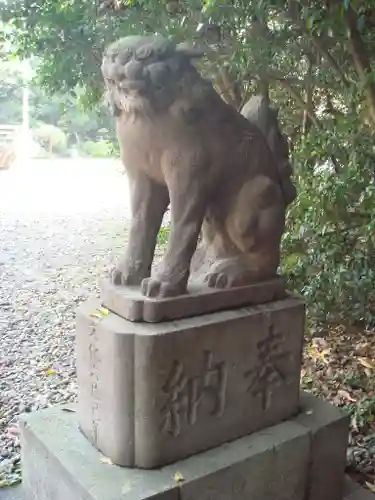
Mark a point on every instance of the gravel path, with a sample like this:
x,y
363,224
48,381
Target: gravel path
x,y
62,226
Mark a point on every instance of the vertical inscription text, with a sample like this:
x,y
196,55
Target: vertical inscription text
x,y
269,371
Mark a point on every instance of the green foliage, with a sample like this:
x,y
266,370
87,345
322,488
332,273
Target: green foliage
x,y
99,149
362,415
330,239
50,138
163,236
61,110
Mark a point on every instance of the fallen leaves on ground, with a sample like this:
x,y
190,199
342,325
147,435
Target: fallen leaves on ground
x,y
339,366
178,477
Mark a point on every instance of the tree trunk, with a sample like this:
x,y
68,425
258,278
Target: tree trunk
x,y
260,31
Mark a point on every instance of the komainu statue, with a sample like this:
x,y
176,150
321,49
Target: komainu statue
x,y
225,174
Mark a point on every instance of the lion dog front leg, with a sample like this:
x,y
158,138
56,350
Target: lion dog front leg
x,y
188,205
149,202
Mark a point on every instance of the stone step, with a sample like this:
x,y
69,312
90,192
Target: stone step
x,y
300,459
352,491
13,493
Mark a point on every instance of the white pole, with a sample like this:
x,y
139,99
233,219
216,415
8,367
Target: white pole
x,y
25,107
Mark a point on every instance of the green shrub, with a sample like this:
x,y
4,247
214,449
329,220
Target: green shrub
x,y
163,236
98,149
329,244
51,138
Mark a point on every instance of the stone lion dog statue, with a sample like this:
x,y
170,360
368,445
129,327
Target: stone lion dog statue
x,y
225,174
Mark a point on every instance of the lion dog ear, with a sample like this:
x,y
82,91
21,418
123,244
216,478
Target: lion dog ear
x,y
189,51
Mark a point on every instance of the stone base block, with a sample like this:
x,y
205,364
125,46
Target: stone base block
x,y
289,461
151,394
129,303
352,491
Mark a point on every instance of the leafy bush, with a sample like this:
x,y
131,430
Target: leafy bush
x,y
163,236
98,149
329,244
51,138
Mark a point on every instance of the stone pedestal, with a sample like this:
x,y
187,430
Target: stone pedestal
x,y
201,408
301,459
152,394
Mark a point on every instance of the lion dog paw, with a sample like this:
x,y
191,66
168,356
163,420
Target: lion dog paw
x,y
152,287
229,274
216,280
124,278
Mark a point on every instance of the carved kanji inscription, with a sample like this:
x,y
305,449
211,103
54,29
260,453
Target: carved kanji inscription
x,y
185,394
269,371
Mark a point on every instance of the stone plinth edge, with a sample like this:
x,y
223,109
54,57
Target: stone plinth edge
x,y
129,303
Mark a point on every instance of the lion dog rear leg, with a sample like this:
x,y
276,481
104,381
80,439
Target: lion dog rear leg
x,y
149,202
255,226
188,204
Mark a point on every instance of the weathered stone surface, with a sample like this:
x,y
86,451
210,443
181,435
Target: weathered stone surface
x,y
352,491
270,464
329,438
225,177
13,493
151,394
105,368
60,464
360,494
129,303
350,486
276,463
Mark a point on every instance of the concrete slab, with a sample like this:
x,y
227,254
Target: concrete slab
x,y
352,491
329,437
13,493
59,464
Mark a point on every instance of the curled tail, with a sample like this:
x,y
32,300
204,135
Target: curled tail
x,y
257,111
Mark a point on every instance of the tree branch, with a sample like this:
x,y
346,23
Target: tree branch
x,y
361,59
259,30
318,43
228,88
317,40
306,125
